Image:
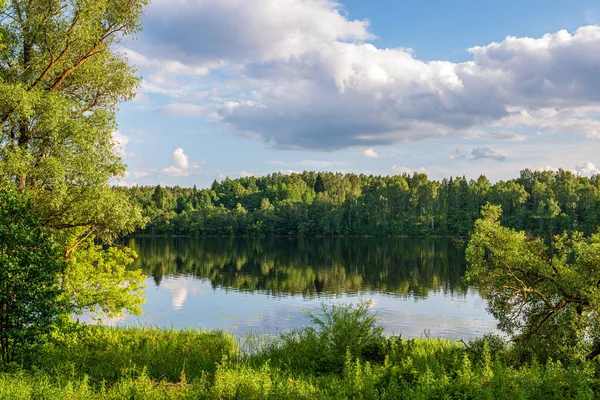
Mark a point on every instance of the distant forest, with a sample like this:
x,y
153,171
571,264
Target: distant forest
x,y
335,204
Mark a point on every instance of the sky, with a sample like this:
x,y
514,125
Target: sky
x,y
234,88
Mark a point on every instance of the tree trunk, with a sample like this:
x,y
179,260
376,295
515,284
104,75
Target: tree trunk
x,y
593,354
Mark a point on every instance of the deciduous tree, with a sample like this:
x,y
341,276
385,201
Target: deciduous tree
x,y
61,79
546,296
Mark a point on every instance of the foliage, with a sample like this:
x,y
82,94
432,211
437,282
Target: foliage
x,y
61,79
546,295
106,355
334,204
29,286
349,329
95,274
161,364
336,333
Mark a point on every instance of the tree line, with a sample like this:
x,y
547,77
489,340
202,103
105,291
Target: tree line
x,y
335,204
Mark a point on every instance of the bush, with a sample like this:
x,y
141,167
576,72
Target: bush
x,y
338,331
29,283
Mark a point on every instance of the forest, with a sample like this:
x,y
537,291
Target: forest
x,y
334,204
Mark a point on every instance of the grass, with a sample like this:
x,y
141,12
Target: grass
x,y
342,355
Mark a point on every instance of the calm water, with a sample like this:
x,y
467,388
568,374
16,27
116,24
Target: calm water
x,y
264,286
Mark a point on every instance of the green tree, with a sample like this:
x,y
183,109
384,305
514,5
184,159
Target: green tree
x,y
319,185
30,264
546,297
61,80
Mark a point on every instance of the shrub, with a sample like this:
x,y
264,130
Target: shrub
x,y
29,285
322,348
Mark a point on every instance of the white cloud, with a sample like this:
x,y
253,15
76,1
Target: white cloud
x,y
180,166
168,66
120,143
396,170
477,153
141,175
548,168
301,74
246,174
371,153
202,33
587,169
581,120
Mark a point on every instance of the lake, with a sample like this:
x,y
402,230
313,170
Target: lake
x,y
266,286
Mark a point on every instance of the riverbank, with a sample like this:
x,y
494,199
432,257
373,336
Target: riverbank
x,y
344,355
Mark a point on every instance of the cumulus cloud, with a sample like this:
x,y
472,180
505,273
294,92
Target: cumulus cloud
x,y
301,74
203,33
180,166
120,143
587,169
246,174
371,153
477,153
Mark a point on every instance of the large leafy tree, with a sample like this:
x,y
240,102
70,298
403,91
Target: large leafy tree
x,y
30,264
545,295
61,79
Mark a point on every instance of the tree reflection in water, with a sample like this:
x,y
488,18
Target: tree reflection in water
x,y
309,266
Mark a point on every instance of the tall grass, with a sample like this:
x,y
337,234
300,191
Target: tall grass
x,y
106,355
342,355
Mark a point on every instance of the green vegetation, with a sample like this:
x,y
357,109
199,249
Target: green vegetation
x,y
329,204
29,268
61,79
342,356
546,295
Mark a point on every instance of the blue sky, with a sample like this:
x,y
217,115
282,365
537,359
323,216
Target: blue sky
x,y
236,88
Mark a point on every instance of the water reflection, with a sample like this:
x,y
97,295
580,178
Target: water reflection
x,y
263,285
309,267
